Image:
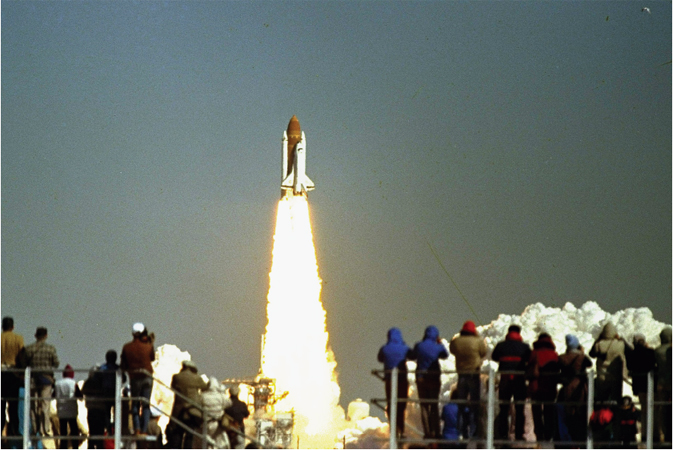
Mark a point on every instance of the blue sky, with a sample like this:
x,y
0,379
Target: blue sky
x,y
528,143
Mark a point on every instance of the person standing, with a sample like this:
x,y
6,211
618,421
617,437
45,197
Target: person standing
x,y
186,383
238,411
136,359
663,393
42,359
427,354
512,354
609,350
394,354
470,350
12,344
108,373
215,403
640,361
572,366
542,373
66,392
95,407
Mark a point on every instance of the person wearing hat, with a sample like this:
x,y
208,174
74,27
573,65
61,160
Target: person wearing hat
x,y
66,392
42,359
187,384
542,374
136,359
512,354
572,368
238,411
469,350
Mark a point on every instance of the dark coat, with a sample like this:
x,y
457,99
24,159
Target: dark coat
x,y
542,381
137,354
512,353
640,361
190,384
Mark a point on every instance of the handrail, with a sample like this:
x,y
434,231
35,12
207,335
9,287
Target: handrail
x,y
490,401
26,436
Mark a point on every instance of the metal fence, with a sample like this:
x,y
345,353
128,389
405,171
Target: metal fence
x,y
490,404
120,440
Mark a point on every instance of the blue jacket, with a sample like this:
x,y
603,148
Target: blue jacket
x,y
428,352
395,353
451,424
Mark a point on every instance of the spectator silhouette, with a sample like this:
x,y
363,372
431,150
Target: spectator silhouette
x,y
67,392
12,344
573,416
136,359
395,354
542,373
427,353
42,359
238,411
470,350
513,355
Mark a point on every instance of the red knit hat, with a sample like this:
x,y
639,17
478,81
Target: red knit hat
x,y
469,327
68,372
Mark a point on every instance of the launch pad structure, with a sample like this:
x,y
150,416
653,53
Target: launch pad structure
x,y
273,429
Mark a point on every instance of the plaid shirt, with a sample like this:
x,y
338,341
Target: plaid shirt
x,y
40,355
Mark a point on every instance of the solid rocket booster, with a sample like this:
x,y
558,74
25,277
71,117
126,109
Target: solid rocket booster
x,y
293,179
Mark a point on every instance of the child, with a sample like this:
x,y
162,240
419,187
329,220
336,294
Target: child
x,y
627,418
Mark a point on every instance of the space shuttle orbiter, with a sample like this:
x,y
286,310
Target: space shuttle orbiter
x,y
293,179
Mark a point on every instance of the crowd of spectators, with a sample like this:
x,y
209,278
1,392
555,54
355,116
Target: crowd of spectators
x,y
555,386
199,405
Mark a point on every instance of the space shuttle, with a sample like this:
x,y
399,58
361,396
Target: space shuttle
x,y
293,179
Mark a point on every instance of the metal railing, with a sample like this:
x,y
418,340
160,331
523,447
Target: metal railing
x,y
26,436
491,401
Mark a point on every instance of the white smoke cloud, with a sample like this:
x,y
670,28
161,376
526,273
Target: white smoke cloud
x,y
364,431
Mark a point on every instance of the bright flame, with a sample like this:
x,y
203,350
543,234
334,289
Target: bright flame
x,y
295,351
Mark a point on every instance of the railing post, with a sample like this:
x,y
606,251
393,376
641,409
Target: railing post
x,y
491,408
590,406
649,426
118,408
26,408
393,407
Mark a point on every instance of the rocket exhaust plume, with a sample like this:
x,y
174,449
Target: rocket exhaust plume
x,y
296,352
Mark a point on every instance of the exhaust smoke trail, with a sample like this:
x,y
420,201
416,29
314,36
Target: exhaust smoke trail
x,y
296,352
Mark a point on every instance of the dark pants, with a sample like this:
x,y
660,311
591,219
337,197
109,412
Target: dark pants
x,y
544,416
141,387
74,431
511,386
428,389
402,393
10,400
468,389
97,421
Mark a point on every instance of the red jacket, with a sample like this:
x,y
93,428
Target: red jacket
x,y
543,369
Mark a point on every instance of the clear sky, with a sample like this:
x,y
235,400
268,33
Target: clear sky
x,y
527,143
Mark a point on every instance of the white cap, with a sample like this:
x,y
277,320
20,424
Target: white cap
x,y
138,327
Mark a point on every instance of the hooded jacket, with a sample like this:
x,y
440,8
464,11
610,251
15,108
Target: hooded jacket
x,y
663,355
427,354
214,400
639,362
395,352
543,356
512,353
609,352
